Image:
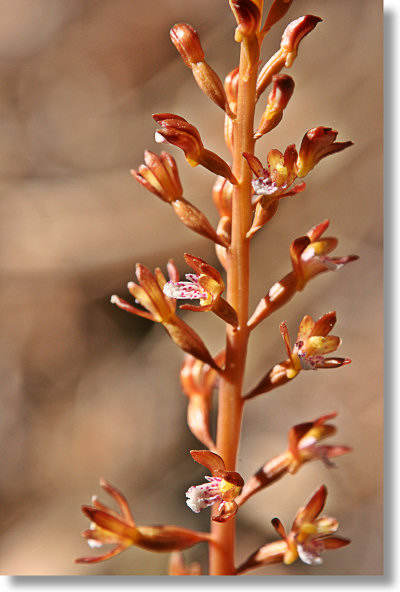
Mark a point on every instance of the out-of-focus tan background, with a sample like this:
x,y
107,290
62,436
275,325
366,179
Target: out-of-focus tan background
x,y
88,390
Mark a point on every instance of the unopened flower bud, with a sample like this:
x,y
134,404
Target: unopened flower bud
x,y
159,175
248,16
282,90
232,85
224,230
187,42
198,381
287,53
294,33
222,196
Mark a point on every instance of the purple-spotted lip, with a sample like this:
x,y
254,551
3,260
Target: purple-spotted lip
x,y
185,290
204,495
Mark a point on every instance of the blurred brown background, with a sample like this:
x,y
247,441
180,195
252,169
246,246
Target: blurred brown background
x,y
90,391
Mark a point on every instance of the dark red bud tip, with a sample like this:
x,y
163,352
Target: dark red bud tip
x,y
187,42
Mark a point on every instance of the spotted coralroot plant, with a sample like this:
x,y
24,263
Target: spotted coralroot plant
x,y
246,194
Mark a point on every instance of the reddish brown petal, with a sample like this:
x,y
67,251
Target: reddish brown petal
x,y
124,305
334,542
108,555
305,328
297,248
333,363
228,510
255,164
277,11
286,339
111,523
120,499
324,324
213,462
296,433
333,451
150,285
280,529
313,507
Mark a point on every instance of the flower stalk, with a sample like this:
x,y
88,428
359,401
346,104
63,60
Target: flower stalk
x,y
246,194
230,402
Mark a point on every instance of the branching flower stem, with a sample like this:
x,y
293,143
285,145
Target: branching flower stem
x,y
230,404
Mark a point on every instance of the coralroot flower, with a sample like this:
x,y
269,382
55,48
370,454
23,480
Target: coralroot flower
x,y
318,143
282,170
309,537
308,353
161,309
303,447
224,486
205,285
275,180
177,131
160,175
110,527
272,183
309,255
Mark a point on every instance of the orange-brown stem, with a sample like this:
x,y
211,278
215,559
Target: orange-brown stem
x,y
230,402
